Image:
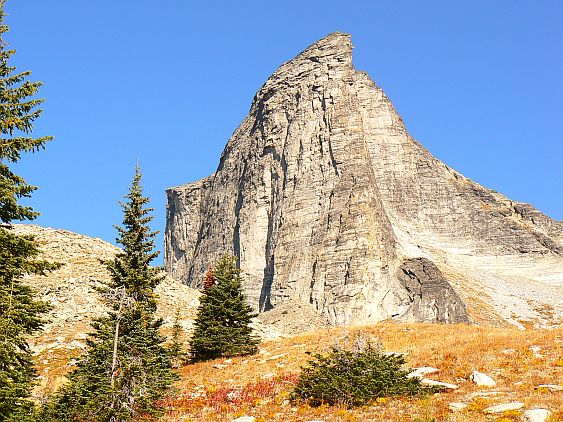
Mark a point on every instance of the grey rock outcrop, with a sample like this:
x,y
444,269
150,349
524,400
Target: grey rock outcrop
x,y
324,197
431,297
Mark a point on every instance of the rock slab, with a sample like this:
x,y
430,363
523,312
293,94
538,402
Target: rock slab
x,y
433,383
422,371
504,407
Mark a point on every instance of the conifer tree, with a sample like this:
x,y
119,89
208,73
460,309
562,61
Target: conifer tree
x,y
20,312
126,368
222,323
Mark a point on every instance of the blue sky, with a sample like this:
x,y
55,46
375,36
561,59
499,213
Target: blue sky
x,y
479,83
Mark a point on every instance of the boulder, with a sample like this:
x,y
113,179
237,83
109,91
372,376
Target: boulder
x,y
536,415
482,380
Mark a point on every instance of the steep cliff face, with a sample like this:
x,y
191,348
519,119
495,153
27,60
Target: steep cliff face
x,y
323,196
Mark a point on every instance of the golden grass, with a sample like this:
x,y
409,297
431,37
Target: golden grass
x,y
259,385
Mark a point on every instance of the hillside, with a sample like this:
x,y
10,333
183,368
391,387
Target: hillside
x,y
519,362
71,291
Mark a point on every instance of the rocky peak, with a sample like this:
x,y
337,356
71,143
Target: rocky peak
x,y
323,195
328,59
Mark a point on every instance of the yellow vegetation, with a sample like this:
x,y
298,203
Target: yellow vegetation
x,y
259,385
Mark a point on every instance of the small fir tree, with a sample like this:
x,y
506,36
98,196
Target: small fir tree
x,y
355,376
126,368
20,313
222,323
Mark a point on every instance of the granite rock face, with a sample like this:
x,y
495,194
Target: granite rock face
x,y
326,199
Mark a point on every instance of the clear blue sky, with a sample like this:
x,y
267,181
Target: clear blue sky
x,y
478,82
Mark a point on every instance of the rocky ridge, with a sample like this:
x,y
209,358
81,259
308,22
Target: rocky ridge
x,y
325,199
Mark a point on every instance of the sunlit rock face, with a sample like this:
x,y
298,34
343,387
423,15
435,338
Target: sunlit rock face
x,y
324,197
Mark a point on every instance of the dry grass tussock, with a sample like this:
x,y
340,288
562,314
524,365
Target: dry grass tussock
x,y
259,385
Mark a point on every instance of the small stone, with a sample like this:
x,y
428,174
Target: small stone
x,y
430,382
482,380
536,351
244,419
551,387
423,370
536,415
500,408
457,406
219,366
228,361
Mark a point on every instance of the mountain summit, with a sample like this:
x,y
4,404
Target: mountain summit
x,y
326,199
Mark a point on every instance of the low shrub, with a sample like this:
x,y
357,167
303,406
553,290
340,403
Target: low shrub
x,y
355,377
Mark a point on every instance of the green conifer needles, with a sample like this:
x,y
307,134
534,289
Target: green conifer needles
x,y
222,323
126,368
20,313
355,377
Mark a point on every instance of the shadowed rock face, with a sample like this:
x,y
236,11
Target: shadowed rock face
x,y
322,194
431,297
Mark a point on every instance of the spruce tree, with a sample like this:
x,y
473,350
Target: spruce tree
x,y
20,313
126,368
222,323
